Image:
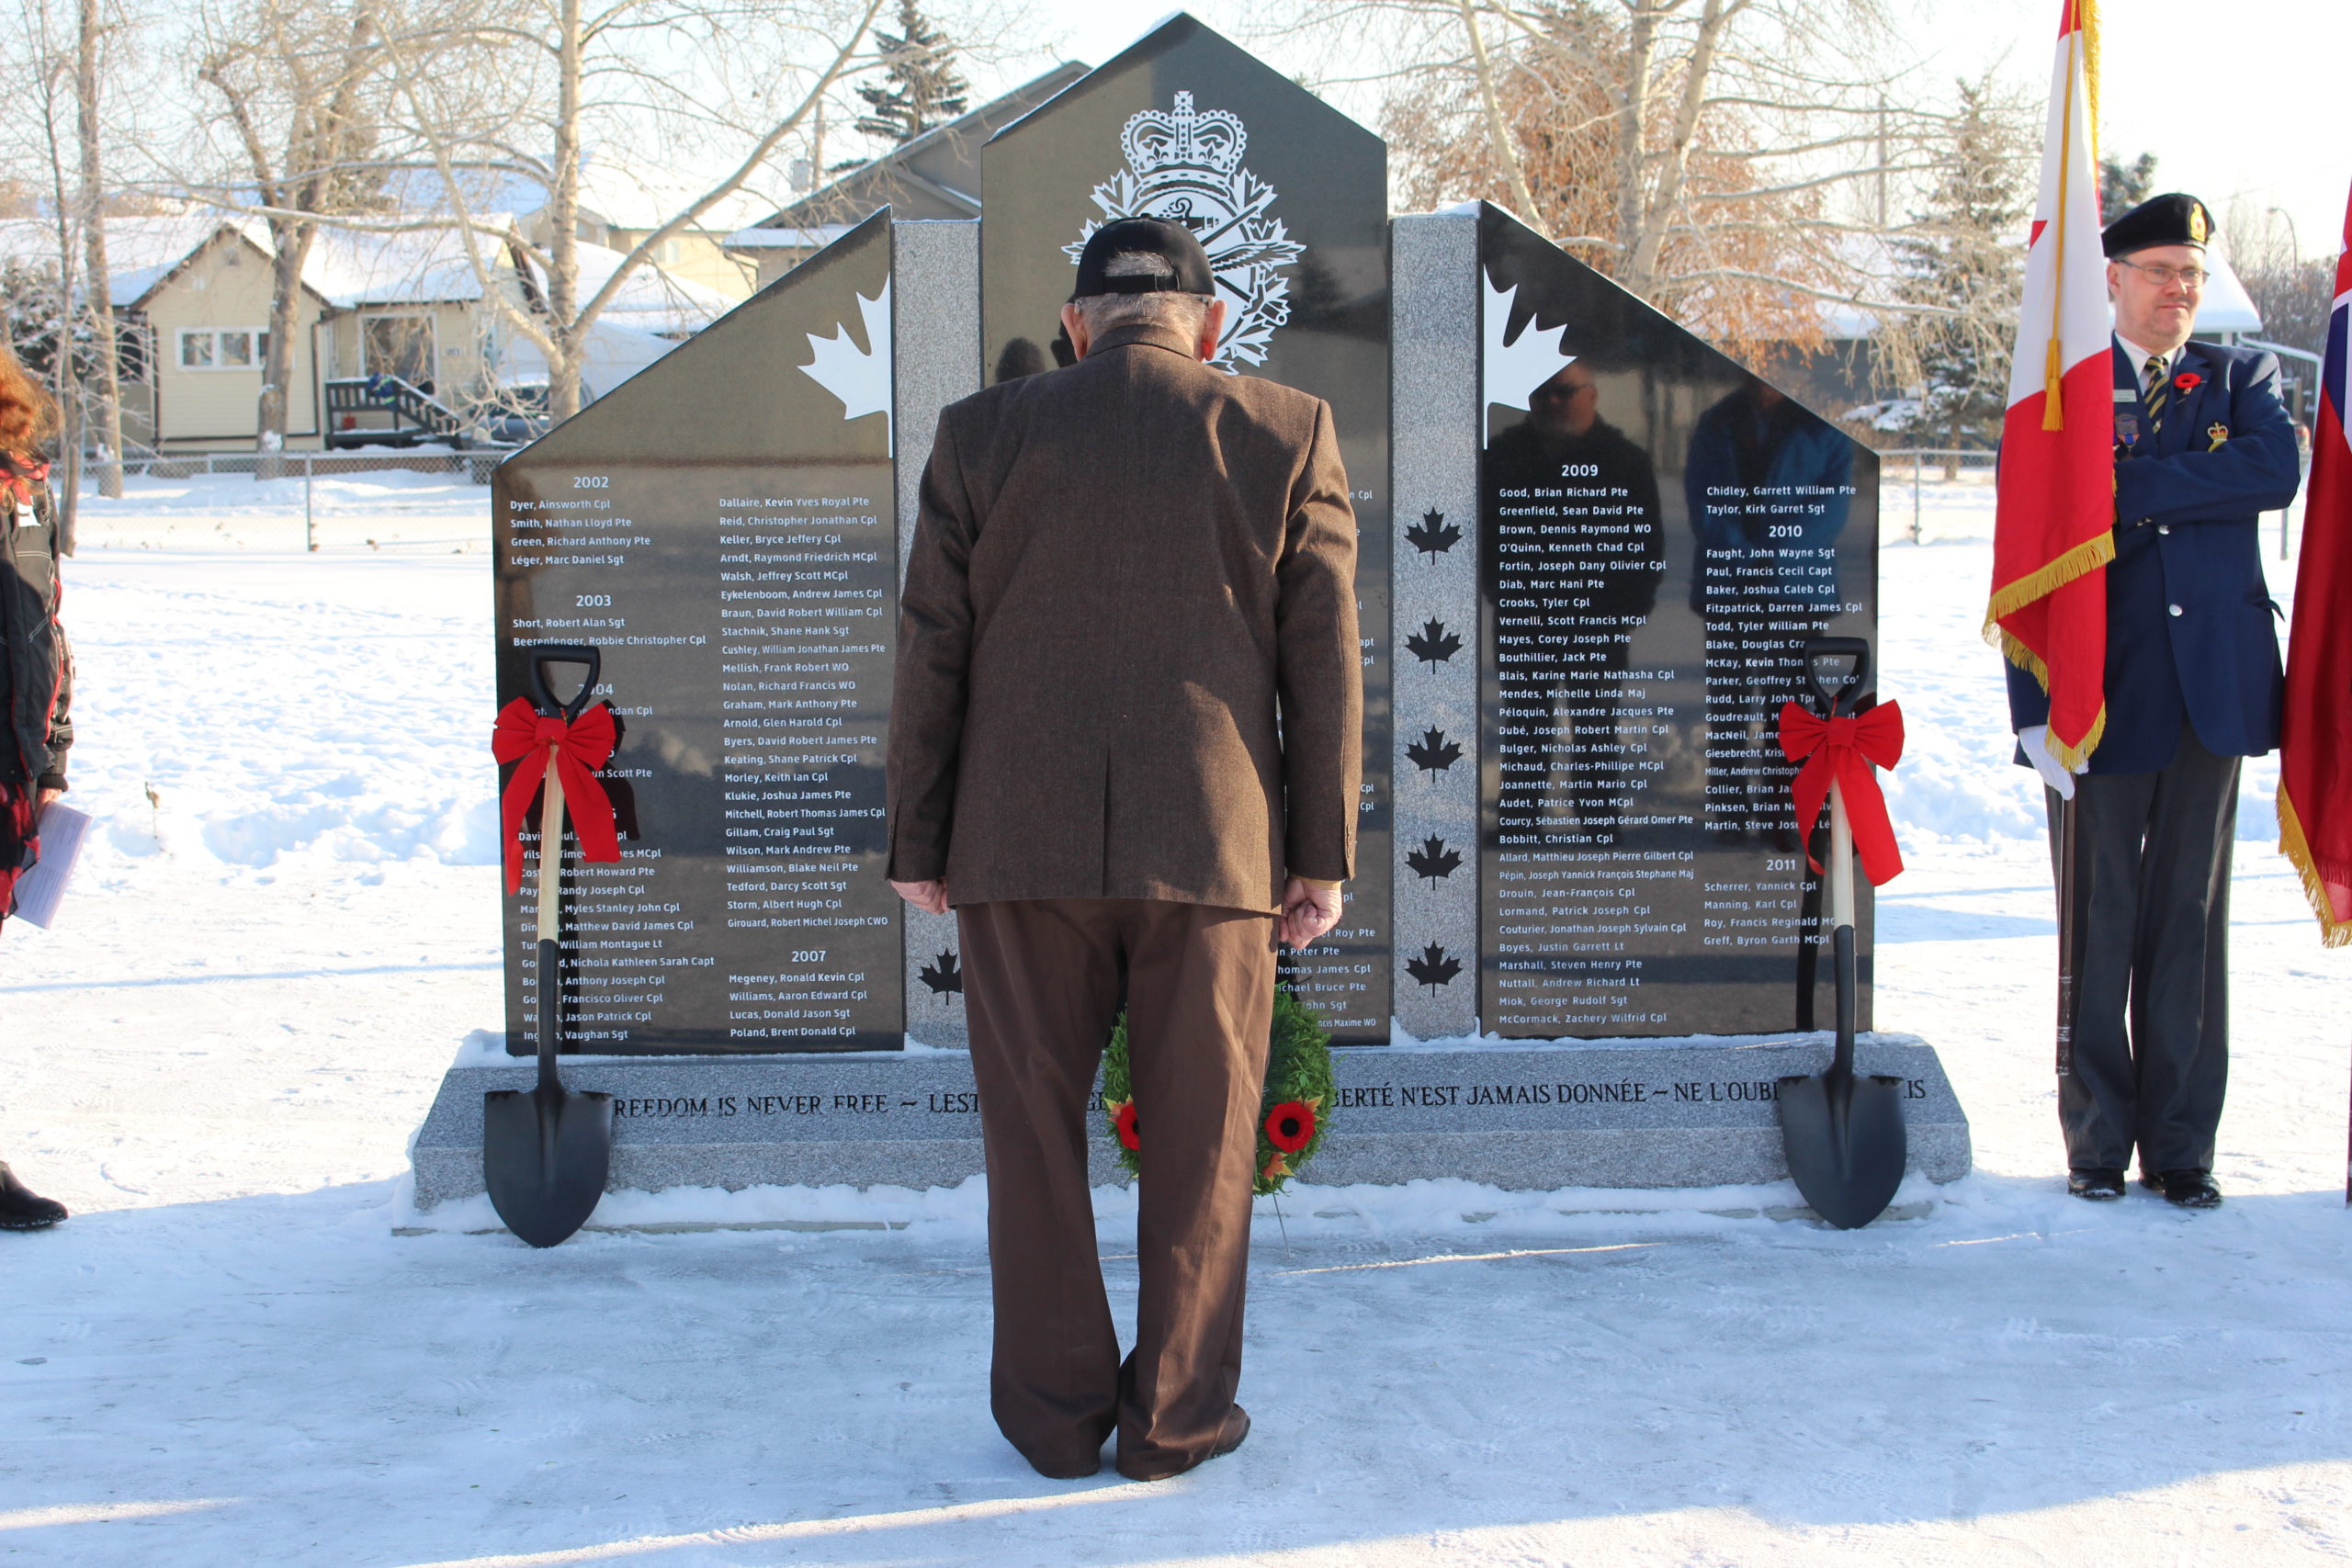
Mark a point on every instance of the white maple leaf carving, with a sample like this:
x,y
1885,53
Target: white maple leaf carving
x,y
860,377
1515,369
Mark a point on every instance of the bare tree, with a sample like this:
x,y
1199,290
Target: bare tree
x,y
92,29
518,99
1964,255
1713,156
298,85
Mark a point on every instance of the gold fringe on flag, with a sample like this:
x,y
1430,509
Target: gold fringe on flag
x,y
2084,558
2333,931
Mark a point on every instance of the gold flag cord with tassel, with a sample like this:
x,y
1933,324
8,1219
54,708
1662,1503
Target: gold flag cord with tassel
x,y
2333,930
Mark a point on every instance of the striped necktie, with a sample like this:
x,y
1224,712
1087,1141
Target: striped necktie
x,y
2158,387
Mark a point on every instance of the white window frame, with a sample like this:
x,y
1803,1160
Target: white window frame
x,y
258,346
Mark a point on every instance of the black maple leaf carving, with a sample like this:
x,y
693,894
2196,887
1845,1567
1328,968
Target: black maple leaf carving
x,y
1434,533
1434,753
945,976
1433,860
1434,644
1433,969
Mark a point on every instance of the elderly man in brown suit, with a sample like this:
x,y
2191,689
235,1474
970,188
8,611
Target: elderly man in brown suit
x,y
1125,745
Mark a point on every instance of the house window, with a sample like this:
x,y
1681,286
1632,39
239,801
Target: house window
x,y
222,348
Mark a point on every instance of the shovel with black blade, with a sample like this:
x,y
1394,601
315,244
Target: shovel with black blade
x,y
545,1151
1843,1132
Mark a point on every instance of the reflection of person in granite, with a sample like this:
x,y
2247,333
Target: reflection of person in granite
x,y
1767,483
1122,572
1565,447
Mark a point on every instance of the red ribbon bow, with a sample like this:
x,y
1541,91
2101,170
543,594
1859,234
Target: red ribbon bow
x,y
523,735
1844,749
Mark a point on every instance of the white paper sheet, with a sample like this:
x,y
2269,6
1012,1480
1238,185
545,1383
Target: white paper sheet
x,y
41,890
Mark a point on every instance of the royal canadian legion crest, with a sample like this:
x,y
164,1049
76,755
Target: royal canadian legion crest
x,y
1185,166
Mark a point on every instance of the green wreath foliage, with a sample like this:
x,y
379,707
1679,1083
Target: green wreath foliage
x,y
1298,1075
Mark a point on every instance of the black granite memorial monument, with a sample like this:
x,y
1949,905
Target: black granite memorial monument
x,y
1660,531
1290,200
1608,544
723,528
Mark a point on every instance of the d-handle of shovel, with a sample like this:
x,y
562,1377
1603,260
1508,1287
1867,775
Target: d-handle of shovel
x,y
1839,701
543,695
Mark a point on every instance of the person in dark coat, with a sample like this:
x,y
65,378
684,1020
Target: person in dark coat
x,y
35,674
1125,744
2193,685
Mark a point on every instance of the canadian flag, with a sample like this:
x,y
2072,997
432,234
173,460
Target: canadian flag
x,y
2052,532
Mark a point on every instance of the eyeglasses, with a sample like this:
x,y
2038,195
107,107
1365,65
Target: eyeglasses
x,y
2165,276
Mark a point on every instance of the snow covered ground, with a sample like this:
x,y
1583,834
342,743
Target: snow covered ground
x,y
227,1357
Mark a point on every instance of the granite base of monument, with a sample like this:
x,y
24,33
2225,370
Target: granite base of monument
x,y
1515,1115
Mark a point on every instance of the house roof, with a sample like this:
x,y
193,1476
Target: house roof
x,y
349,268
937,175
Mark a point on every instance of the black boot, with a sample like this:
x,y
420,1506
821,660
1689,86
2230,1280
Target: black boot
x,y
21,1209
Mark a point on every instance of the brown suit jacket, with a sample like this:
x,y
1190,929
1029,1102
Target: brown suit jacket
x,y
1121,572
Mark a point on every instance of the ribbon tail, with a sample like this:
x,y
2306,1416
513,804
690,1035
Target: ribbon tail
x,y
1810,789
1866,815
592,812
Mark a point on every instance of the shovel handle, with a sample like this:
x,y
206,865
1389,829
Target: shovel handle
x,y
550,849
1841,860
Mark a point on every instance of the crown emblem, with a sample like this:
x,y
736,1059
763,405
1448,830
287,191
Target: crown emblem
x,y
2198,225
1184,165
1183,138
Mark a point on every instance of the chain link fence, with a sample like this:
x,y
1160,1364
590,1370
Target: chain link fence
x,y
375,499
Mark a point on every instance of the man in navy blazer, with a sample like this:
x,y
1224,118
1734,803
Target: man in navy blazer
x,y
2202,448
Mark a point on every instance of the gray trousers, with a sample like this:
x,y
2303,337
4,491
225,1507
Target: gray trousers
x,y
2151,1057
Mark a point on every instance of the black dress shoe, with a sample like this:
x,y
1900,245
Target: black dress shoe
x,y
21,1209
2099,1186
1230,1438
2190,1189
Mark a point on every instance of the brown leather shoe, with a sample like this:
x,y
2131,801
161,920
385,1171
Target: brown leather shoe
x,y
1230,1438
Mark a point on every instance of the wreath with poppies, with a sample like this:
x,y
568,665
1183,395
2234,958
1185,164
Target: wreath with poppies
x,y
1291,1119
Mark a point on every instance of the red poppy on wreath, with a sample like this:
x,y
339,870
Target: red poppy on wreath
x,y
1122,1116
1290,1126
2188,380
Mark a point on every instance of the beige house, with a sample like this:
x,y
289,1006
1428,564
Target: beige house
x,y
396,341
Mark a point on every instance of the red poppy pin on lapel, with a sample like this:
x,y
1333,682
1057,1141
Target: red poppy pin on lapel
x,y
2188,380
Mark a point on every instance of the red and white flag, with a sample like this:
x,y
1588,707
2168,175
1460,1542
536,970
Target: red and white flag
x,y
2315,739
2052,532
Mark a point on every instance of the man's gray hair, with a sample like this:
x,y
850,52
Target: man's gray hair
x,y
1184,313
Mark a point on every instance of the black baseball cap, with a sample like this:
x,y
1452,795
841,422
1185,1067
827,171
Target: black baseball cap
x,y
1173,243
2174,219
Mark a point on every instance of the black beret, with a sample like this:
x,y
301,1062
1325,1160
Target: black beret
x,y
1154,236
2172,218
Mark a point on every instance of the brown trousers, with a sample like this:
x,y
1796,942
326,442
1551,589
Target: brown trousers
x,y
1043,981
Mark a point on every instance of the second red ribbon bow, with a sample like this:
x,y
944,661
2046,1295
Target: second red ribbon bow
x,y
1844,750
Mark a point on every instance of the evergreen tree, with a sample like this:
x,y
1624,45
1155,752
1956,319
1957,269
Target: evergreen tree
x,y
2121,185
1963,260
921,89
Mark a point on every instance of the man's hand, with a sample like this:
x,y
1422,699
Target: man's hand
x,y
1308,913
931,896
41,799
